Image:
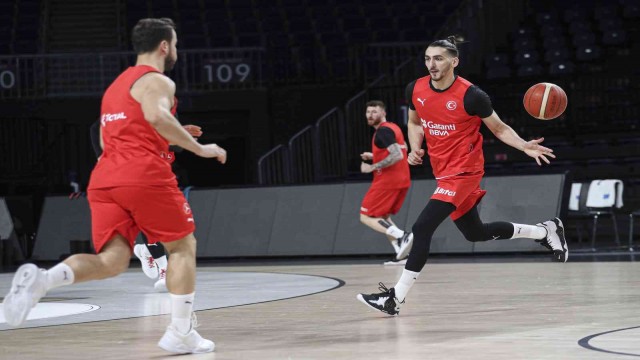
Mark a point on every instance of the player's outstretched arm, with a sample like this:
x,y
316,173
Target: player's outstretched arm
x,y
155,93
415,133
508,136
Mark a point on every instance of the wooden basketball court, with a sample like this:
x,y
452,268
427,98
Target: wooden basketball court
x,y
465,308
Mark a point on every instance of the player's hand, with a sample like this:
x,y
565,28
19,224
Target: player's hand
x,y
213,151
537,151
415,157
366,156
193,130
366,168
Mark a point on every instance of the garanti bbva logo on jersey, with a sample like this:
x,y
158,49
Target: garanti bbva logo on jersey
x,y
111,117
438,129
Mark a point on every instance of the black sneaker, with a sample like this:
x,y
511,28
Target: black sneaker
x,y
555,240
385,301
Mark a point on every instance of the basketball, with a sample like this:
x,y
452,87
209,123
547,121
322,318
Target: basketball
x,y
545,101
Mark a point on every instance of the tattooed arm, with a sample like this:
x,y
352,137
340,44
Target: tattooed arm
x,y
395,155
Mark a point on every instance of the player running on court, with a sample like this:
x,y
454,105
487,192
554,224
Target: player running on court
x,y
391,179
152,256
447,111
132,188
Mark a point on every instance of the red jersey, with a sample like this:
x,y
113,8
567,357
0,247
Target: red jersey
x,y
395,176
453,136
134,153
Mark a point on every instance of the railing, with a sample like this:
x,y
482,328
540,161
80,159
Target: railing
x,y
47,75
324,151
315,153
303,154
357,131
330,133
273,167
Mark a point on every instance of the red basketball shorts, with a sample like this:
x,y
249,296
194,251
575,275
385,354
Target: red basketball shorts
x,y
161,212
463,191
383,202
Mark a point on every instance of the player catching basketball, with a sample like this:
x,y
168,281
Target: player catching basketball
x,y
447,111
132,188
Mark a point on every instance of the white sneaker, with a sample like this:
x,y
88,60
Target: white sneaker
x,y
189,343
161,284
555,240
395,262
406,242
149,266
27,288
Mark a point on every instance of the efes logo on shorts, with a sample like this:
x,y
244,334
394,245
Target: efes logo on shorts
x,y
186,208
442,191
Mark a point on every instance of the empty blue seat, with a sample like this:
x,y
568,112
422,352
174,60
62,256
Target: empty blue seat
x,y
578,13
552,43
555,55
496,59
528,57
588,53
610,24
577,27
584,39
529,70
498,72
606,12
631,11
614,37
561,68
525,44
546,18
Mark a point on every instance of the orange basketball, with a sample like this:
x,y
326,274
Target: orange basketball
x,y
545,101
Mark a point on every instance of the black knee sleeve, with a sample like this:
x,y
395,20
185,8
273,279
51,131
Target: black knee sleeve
x,y
474,230
431,217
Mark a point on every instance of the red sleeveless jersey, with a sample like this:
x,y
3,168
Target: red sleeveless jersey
x,y
134,153
395,176
453,136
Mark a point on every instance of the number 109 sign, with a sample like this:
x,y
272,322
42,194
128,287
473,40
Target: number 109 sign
x,y
227,72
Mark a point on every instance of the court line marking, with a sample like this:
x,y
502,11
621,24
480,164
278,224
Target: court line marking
x,y
340,284
584,342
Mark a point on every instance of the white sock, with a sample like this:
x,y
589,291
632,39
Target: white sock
x,y
405,283
59,275
162,263
181,309
395,232
528,231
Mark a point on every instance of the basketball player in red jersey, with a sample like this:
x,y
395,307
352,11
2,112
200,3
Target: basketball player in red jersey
x,y
152,256
391,179
132,188
448,110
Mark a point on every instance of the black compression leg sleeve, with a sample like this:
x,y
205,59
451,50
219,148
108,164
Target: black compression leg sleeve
x,y
474,230
431,217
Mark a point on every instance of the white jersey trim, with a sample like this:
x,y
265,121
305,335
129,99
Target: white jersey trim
x,y
447,176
